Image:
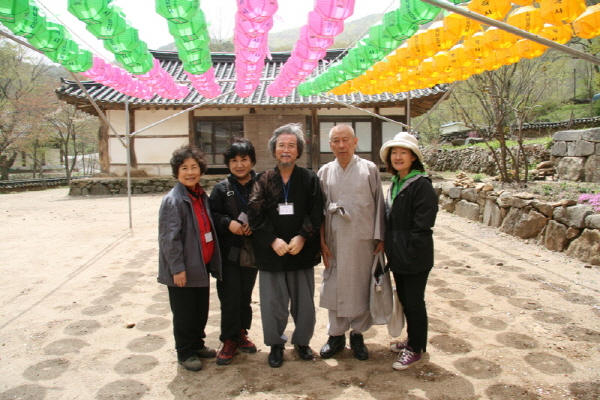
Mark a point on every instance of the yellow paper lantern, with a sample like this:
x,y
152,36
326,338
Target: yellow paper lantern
x,y
510,55
496,38
460,25
477,67
382,70
404,58
492,62
558,12
523,3
441,62
476,45
460,57
427,68
439,38
557,33
526,18
418,48
587,25
494,9
529,49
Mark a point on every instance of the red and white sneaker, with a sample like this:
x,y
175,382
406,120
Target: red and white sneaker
x,y
227,352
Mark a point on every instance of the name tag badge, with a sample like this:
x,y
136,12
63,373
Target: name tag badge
x,y
208,237
243,218
286,209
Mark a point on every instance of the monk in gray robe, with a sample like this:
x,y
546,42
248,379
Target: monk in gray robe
x,y
352,233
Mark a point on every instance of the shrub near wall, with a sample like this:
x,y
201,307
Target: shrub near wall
x,y
562,226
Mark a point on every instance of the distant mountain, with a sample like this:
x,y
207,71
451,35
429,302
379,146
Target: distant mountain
x,y
285,40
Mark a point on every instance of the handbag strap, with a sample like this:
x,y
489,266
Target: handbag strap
x,y
231,196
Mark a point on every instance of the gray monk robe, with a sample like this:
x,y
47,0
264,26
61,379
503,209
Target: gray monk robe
x,y
354,223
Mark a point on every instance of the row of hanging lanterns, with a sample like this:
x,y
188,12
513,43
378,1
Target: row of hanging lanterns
x,y
253,21
324,23
187,24
108,24
478,52
442,35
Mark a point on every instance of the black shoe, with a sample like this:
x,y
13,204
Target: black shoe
x,y
357,343
305,352
334,345
276,356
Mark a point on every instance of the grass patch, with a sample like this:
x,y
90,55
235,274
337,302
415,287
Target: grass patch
x,y
546,141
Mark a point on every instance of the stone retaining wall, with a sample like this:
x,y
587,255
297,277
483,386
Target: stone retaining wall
x,y
562,226
477,160
118,186
577,155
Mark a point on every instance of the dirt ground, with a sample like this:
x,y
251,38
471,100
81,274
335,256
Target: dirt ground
x,y
508,319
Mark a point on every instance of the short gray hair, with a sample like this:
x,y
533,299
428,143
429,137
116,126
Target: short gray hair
x,y
339,126
294,129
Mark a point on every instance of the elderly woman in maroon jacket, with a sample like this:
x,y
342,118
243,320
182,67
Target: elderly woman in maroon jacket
x,y
188,254
411,209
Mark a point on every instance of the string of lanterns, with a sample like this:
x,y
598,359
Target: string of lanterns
x,y
434,56
395,56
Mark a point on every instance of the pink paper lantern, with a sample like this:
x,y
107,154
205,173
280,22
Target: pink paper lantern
x,y
323,27
248,57
252,28
314,40
305,53
257,10
335,10
242,41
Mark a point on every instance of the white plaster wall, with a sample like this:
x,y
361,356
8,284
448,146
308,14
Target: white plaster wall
x,y
174,126
343,111
157,150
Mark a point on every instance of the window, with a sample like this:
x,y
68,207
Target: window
x,y
362,130
213,135
389,130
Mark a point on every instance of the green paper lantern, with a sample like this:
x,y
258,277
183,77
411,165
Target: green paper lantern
x,y
192,45
381,38
83,62
111,27
192,57
9,9
49,38
65,53
90,11
142,66
198,68
134,57
398,27
370,52
124,43
193,30
28,21
418,12
177,11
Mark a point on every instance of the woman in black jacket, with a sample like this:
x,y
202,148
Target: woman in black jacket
x,y
229,204
411,209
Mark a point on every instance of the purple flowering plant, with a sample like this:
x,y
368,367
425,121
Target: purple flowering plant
x,y
591,199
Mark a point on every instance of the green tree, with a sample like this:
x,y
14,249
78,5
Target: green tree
x,y
25,90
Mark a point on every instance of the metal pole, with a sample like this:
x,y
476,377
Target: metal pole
x,y
363,110
509,28
408,111
128,150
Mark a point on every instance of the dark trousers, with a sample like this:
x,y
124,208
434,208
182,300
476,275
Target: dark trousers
x,y
411,292
235,294
190,313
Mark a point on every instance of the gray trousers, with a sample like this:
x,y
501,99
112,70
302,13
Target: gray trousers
x,y
338,326
282,293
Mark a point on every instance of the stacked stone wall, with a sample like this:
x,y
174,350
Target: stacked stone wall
x,y
118,186
561,226
477,160
577,155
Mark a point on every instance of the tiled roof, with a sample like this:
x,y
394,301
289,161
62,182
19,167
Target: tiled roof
x,y
225,73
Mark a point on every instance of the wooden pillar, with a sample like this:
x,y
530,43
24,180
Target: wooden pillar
x,y
103,157
376,140
134,163
191,128
315,148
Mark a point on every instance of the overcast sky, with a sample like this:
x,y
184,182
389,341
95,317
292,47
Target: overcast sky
x,y
219,14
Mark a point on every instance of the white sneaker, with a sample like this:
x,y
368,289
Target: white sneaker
x,y
407,359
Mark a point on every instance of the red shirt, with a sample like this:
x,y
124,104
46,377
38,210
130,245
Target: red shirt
x,y
208,248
